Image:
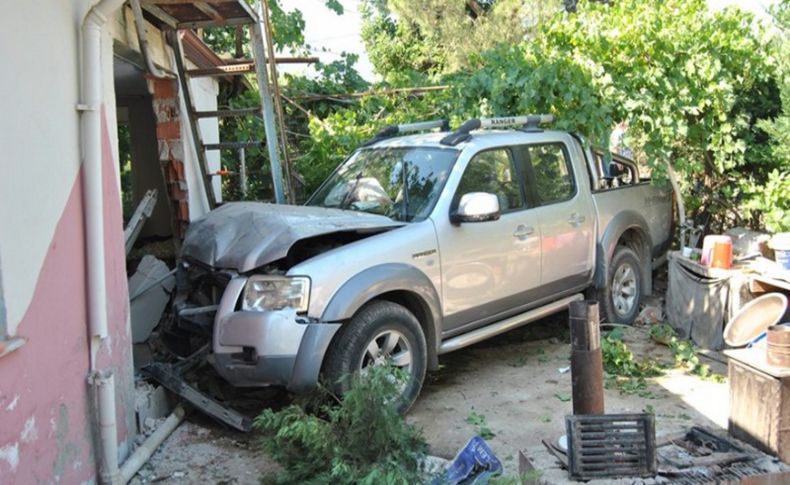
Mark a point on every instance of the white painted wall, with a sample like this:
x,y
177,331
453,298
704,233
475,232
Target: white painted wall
x,y
39,136
39,132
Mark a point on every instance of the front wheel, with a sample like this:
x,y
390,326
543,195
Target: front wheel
x,y
380,332
622,293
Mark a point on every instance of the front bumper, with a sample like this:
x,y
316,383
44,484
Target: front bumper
x,y
254,349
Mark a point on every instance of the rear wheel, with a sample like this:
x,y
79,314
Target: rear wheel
x,y
380,332
622,293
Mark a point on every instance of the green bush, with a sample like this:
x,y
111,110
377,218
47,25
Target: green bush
x,y
359,440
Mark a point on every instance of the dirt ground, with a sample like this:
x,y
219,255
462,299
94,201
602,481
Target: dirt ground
x,y
513,380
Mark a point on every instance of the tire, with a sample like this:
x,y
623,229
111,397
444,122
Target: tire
x,y
621,295
381,322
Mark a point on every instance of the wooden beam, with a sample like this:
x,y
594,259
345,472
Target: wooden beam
x,y
209,10
157,12
201,24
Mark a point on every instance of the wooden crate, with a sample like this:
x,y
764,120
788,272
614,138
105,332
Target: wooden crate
x,y
759,402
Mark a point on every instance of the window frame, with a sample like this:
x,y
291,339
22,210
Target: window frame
x,y
519,179
530,179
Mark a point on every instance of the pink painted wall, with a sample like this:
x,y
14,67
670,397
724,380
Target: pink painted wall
x,y
46,406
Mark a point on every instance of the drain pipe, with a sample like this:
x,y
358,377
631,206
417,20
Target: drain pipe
x,y
144,451
91,106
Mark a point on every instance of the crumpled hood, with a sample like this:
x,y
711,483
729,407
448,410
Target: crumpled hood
x,y
246,235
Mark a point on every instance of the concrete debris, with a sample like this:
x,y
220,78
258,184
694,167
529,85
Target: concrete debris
x,y
151,405
651,314
149,289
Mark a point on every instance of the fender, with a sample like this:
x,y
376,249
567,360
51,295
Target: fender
x,y
385,278
622,222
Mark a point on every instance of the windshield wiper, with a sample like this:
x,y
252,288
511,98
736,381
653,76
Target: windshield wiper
x,y
347,197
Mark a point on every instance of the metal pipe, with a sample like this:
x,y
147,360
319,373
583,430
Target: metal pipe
x,y
586,358
267,111
243,172
104,383
93,200
149,446
278,104
142,41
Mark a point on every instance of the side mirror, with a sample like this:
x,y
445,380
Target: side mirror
x,y
476,207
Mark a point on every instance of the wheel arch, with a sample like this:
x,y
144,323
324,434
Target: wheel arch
x,y
399,283
628,229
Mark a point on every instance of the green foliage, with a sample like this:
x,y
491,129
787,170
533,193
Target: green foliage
x,y
771,197
287,29
625,371
480,423
362,440
684,353
689,83
692,86
406,39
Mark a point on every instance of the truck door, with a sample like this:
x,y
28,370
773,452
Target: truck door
x,y
489,267
565,214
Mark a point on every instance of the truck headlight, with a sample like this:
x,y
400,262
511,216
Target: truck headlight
x,y
264,293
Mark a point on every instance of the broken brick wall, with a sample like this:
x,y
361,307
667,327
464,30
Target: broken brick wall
x,y
164,93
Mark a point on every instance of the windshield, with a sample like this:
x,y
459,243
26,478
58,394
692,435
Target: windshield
x,y
402,183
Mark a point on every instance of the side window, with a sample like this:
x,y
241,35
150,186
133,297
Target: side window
x,y
552,171
493,171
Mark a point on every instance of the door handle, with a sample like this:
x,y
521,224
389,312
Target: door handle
x,y
575,220
523,231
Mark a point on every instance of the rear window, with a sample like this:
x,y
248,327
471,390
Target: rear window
x,y
552,171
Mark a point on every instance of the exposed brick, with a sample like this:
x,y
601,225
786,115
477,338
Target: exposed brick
x,y
178,168
183,210
177,149
168,129
176,193
166,109
162,88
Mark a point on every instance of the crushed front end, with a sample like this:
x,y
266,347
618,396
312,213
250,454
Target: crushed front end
x,y
257,333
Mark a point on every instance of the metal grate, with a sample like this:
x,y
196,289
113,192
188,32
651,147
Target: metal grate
x,y
616,445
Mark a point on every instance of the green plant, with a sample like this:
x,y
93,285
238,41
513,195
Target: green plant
x,y
624,370
684,353
563,396
480,423
359,439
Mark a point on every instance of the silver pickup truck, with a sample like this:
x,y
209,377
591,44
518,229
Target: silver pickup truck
x,y
416,246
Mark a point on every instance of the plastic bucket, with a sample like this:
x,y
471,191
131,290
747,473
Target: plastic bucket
x,y
781,246
717,251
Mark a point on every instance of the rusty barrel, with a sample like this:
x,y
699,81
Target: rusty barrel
x,y
586,361
779,345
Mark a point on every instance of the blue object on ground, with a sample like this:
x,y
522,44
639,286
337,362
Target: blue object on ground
x,y
473,465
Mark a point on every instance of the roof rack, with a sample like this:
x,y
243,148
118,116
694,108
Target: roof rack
x,y
395,130
527,123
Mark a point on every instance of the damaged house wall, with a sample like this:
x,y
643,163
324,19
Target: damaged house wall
x,y
47,410
46,406
176,146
